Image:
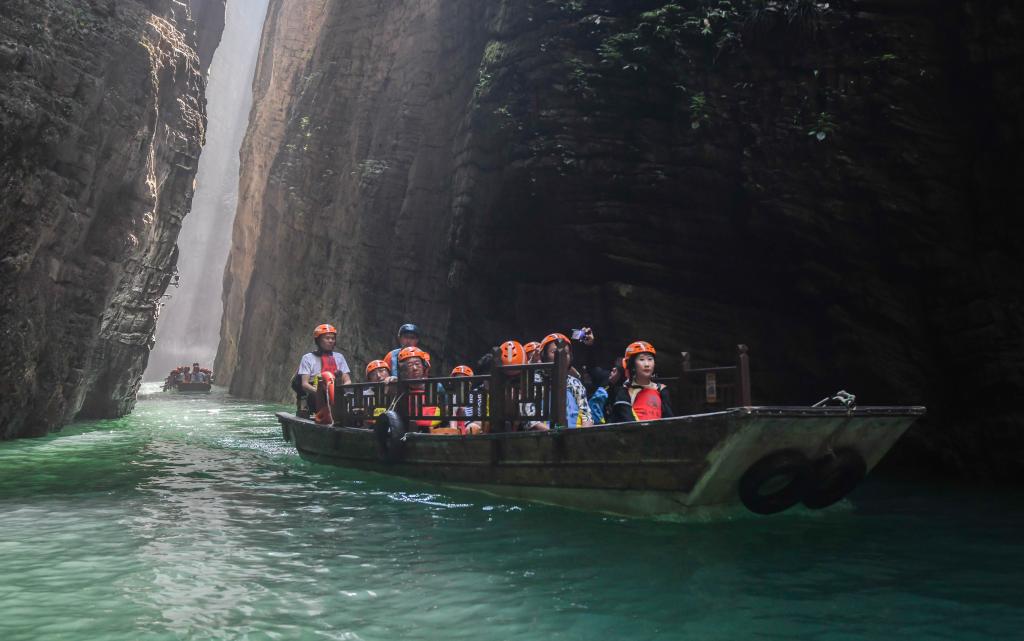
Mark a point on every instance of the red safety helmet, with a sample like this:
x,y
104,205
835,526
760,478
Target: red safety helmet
x,y
373,366
531,347
512,353
462,370
551,338
323,329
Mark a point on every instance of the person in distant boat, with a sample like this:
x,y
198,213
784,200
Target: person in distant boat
x,y
640,397
577,411
197,375
323,359
408,336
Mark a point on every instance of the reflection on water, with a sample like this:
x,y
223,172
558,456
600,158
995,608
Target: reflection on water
x,y
191,519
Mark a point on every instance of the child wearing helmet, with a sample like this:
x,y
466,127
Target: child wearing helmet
x,y
640,397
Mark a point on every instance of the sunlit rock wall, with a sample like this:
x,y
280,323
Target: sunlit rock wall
x,y
101,124
832,183
189,325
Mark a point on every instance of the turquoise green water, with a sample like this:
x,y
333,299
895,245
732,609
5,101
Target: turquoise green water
x,y
191,519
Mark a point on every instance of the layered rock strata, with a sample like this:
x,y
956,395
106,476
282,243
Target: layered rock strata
x,y
102,120
831,183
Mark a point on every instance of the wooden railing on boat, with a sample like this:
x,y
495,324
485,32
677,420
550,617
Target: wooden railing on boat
x,y
709,389
509,396
512,396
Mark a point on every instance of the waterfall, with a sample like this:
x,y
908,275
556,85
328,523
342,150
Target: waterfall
x,y
189,323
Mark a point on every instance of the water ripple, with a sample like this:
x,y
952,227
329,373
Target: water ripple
x,y
191,519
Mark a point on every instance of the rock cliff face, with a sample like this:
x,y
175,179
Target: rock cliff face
x,y
834,184
101,124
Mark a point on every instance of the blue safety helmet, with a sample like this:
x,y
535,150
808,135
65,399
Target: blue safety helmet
x,y
408,328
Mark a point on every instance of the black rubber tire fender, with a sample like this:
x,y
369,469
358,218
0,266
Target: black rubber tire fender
x,y
776,482
834,476
389,430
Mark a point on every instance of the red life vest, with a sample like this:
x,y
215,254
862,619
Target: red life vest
x,y
646,403
327,363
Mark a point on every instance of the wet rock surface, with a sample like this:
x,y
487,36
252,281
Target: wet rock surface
x,y
833,184
101,124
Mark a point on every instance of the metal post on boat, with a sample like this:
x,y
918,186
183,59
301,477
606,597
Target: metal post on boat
x,y
496,398
558,381
744,367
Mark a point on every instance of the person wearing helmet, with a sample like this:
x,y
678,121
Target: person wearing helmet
x,y
577,410
377,371
414,364
640,398
459,371
510,354
322,359
408,336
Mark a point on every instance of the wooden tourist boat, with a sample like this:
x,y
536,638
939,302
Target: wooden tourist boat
x,y
727,453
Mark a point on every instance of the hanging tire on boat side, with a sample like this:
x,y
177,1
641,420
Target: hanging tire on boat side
x,y
835,476
389,430
776,482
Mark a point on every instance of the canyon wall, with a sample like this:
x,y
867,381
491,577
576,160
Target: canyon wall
x,y
189,326
832,183
102,119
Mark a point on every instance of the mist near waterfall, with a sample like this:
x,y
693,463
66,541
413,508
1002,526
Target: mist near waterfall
x,y
189,324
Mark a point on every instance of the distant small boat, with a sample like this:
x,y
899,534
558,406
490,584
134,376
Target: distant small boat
x,y
766,458
183,379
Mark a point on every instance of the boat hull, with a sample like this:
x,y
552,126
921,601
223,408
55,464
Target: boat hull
x,y
193,387
669,466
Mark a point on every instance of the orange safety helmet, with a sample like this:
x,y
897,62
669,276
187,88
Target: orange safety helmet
x,y
640,347
512,353
635,349
414,352
373,366
531,347
551,338
323,329
462,370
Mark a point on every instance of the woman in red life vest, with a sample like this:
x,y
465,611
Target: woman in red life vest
x,y
639,398
323,359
